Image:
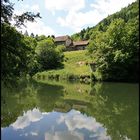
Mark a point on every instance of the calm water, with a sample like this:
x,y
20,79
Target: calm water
x,y
69,111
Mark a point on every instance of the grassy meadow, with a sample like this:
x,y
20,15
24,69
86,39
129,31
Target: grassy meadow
x,y
75,64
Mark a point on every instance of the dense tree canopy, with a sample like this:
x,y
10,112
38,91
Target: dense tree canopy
x,y
15,53
116,52
49,57
114,45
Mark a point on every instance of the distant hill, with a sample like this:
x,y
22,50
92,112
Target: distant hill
x,y
127,14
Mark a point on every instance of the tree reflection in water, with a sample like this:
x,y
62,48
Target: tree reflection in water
x,y
112,105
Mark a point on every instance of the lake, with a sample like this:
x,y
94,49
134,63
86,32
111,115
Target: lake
x,y
51,110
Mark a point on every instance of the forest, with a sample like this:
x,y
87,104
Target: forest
x,y
114,45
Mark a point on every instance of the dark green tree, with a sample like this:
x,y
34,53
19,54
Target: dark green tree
x,y
15,53
48,56
116,51
32,35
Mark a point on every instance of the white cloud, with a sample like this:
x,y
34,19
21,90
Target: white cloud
x,y
74,120
34,133
35,8
37,27
28,117
76,125
100,10
110,6
77,20
30,133
66,5
21,122
24,8
26,134
66,135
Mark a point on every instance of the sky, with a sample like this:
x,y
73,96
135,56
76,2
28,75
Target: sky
x,y
66,17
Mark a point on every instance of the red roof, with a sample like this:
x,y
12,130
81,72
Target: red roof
x,y
61,38
80,43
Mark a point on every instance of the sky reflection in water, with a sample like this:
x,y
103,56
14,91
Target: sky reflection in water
x,y
57,111
36,125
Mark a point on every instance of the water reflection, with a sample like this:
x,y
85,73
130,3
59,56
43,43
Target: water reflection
x,y
76,111
56,126
28,117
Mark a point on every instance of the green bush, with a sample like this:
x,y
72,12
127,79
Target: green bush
x,y
48,56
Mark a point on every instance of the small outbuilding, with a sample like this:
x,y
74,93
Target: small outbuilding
x,y
63,40
80,45
70,44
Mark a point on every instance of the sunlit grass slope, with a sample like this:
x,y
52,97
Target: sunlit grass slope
x,y
75,63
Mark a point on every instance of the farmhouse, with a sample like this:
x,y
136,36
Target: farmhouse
x,y
63,40
80,45
70,44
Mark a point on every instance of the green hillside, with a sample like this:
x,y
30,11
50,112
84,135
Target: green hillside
x,y
113,47
75,64
127,14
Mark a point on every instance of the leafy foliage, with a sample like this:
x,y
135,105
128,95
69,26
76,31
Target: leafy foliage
x,y
15,53
7,14
27,16
16,50
6,11
114,45
48,56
